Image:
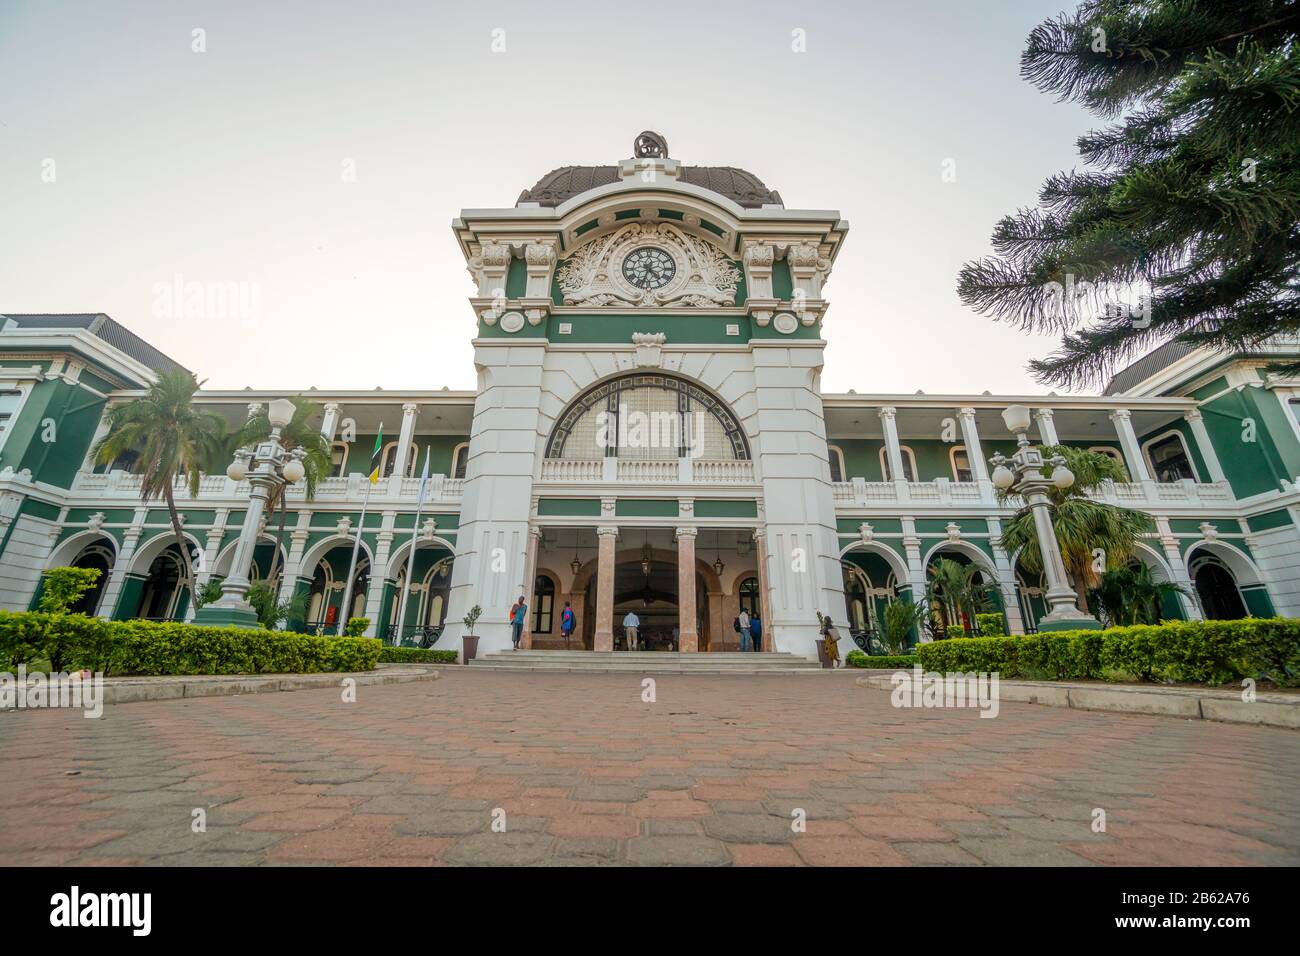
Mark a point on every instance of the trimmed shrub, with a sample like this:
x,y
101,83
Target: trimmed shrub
x,y
75,641
356,626
859,659
416,655
991,625
63,587
1205,652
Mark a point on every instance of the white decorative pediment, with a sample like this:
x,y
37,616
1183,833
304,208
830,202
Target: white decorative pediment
x,y
702,277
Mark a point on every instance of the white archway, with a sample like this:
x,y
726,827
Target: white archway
x,y
71,547
156,545
225,557
1236,560
397,560
891,557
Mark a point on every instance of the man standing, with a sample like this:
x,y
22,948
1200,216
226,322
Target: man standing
x,y
630,624
745,635
756,631
517,621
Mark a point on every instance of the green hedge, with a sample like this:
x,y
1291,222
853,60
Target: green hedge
x,y
1203,652
991,625
859,659
75,642
416,655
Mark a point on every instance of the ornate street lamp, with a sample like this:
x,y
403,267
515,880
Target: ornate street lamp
x,y
1022,475
266,466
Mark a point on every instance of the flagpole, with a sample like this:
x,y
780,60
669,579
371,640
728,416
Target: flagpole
x,y
410,560
352,568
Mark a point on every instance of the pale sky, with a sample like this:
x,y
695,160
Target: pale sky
x,y
226,166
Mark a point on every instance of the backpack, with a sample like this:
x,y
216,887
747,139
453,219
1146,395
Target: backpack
x,y
735,625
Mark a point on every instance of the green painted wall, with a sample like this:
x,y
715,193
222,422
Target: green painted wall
x,y
53,432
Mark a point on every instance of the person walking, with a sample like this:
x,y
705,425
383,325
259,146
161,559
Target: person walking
x,y
567,622
756,631
832,641
517,620
630,624
745,634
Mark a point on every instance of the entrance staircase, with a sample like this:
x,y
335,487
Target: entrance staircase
x,y
646,662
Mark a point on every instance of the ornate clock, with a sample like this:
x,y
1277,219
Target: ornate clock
x,y
649,268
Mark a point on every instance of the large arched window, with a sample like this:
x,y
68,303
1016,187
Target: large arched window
x,y
648,416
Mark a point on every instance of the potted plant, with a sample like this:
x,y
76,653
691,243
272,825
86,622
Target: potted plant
x,y
469,639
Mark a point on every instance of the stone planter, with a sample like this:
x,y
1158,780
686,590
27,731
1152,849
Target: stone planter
x,y
469,649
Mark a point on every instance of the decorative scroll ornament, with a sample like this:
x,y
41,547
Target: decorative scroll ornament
x,y
594,275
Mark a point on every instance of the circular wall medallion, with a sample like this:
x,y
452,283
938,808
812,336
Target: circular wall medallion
x,y
785,323
649,268
512,321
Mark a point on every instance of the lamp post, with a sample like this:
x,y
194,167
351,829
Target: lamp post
x,y
1022,475
266,466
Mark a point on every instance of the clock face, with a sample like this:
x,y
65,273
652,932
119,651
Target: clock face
x,y
649,268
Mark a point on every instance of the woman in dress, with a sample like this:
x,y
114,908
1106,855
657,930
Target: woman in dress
x,y
831,640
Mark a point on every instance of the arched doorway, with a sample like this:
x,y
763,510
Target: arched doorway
x,y
98,557
1216,589
162,595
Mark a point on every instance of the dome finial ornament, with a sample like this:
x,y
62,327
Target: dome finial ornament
x,y
650,145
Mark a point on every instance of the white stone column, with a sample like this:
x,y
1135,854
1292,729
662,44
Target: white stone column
x,y
1006,579
409,413
329,426
764,600
1137,467
496,509
530,578
375,596
893,451
121,565
101,431
1174,558
1046,427
975,453
293,560
915,569
688,630
607,543
255,409
1202,436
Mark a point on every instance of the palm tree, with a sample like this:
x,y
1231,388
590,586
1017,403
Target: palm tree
x,y
1130,595
172,439
1083,526
303,431
958,586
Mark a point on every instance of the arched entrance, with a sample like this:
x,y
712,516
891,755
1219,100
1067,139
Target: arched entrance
x,y
1216,589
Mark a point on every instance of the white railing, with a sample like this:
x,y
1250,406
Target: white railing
x,y
860,493
722,472
123,486
648,471
568,469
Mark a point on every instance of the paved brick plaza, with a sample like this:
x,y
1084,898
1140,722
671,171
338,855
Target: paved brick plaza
x,y
589,774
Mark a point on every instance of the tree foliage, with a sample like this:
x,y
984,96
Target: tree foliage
x,y
1185,224
1084,527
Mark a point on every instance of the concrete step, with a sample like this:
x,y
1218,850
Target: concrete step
x,y
643,662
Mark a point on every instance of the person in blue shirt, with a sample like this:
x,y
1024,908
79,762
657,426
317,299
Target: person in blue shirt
x,y
566,622
756,631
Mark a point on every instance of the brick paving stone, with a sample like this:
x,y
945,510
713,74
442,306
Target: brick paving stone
x,y
588,774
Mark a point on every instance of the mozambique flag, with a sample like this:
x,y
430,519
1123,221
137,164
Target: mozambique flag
x,y
377,456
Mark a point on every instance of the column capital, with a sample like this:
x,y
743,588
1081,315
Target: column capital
x,y
759,534
966,412
686,532
607,531
410,408
331,407
1120,414
534,531
887,412
1192,415
1044,413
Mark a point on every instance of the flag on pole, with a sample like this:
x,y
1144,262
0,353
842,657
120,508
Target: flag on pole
x,y
377,456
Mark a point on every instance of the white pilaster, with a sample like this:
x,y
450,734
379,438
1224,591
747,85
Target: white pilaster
x,y
1191,606
1006,579
975,453
409,413
329,425
893,451
1202,436
1046,426
1137,467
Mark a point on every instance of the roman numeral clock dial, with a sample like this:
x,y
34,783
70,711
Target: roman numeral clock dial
x,y
649,268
